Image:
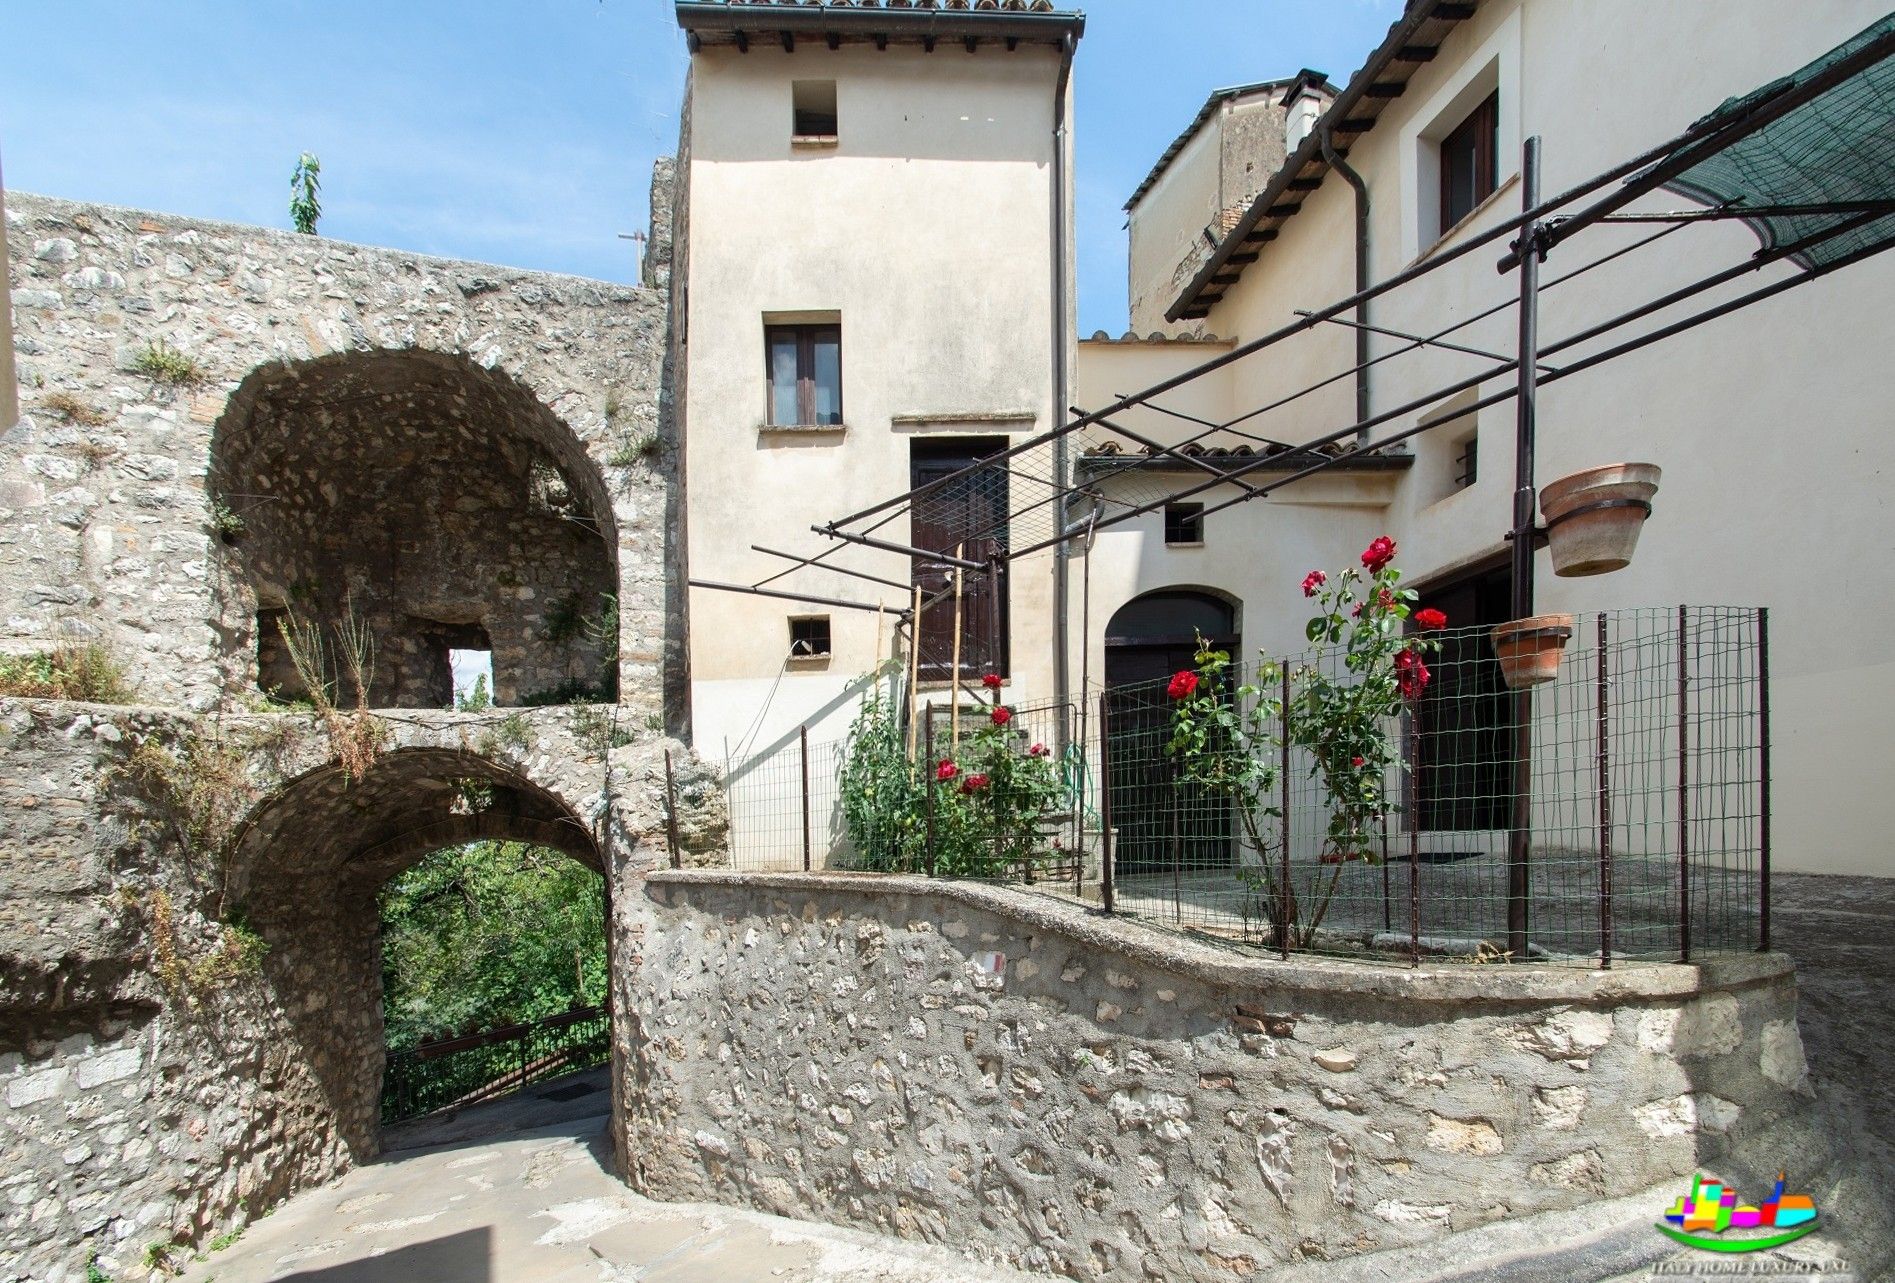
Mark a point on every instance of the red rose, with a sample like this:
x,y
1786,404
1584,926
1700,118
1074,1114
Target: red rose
x,y
973,784
1312,581
1001,715
1038,750
1333,857
1431,618
1183,684
991,681
1378,554
1358,761
947,770
1411,675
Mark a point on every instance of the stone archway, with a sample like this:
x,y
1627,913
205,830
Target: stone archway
x,y
304,873
438,503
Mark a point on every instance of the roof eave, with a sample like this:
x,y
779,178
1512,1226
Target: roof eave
x,y
1400,36
711,16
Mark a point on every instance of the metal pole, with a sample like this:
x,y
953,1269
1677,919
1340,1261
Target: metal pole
x,y
1763,782
1177,852
927,853
671,815
1684,787
1105,802
994,601
802,753
1284,900
1526,374
1605,803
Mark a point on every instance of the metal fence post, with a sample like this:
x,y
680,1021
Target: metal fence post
x,y
802,745
1106,889
1763,778
1284,899
671,814
1684,787
1605,802
927,851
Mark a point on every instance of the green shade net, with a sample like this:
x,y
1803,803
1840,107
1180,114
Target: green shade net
x,y
1837,147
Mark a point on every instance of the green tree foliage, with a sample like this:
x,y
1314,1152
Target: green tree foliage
x,y
489,933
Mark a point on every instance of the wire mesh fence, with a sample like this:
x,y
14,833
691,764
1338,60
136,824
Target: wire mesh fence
x,y
1616,810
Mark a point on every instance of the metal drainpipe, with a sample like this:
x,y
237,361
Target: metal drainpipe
x,y
1062,675
1341,166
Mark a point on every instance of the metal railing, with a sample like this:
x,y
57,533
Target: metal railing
x,y
1647,791
471,1069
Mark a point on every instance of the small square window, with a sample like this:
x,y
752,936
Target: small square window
x,y
813,104
1184,523
809,637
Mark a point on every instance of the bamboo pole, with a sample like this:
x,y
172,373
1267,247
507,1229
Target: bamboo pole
x,y
914,672
954,708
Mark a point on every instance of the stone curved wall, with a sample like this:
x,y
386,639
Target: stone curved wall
x,y
106,528
1043,1087
153,1091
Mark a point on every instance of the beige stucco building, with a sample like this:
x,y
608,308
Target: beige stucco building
x,y
1768,423
876,282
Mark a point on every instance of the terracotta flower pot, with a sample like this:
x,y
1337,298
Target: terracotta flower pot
x,y
1529,649
1592,518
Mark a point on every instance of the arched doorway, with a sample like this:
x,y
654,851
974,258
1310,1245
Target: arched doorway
x,y
1161,828
304,874
434,505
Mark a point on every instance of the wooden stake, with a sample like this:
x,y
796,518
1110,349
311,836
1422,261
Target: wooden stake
x,y
954,708
914,672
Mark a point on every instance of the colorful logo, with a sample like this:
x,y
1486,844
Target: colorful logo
x,y
1712,1208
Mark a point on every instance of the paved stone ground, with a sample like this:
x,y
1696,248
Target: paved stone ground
x,y
540,1205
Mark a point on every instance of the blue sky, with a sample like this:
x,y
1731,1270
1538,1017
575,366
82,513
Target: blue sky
x,y
523,132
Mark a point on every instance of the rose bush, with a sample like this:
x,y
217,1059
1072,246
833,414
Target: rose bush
x,y
1340,710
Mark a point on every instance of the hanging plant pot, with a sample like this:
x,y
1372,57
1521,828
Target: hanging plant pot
x,y
1592,518
1529,649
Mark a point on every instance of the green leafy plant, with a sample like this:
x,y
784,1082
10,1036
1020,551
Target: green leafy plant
x,y
512,734
94,1273
305,184
224,1240
477,699
162,363
597,729
228,525
88,673
881,798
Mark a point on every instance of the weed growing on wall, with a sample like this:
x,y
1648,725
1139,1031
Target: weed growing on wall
x,y
89,673
197,975
72,410
355,736
596,727
630,451
164,364
305,184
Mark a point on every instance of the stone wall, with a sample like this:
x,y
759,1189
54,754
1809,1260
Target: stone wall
x,y
1044,1087
159,1086
453,446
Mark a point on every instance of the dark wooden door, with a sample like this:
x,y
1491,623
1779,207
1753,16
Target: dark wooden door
x,y
1465,715
967,517
1160,826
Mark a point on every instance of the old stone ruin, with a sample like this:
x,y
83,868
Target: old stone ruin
x,y
234,438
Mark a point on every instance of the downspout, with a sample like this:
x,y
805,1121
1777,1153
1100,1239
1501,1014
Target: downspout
x,y
1062,674
1341,166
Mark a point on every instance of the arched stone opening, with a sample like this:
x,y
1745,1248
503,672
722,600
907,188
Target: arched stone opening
x,y
434,501
304,874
